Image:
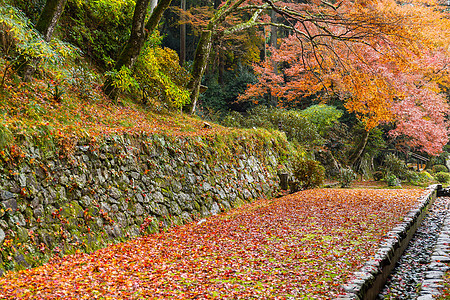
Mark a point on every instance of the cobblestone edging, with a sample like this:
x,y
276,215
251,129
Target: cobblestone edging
x,y
440,258
367,282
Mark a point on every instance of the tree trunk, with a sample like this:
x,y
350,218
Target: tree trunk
x,y
204,49
221,80
139,33
359,148
273,43
153,4
46,25
132,48
156,15
50,15
198,69
183,34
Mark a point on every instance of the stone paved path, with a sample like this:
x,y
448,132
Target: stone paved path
x,y
439,259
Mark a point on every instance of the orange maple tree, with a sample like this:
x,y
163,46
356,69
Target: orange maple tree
x,y
387,60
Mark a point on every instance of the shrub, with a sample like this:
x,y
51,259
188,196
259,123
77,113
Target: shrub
x,y
439,168
392,180
160,75
309,173
156,75
233,119
395,166
419,178
377,175
424,176
412,176
296,126
442,177
347,176
322,116
441,159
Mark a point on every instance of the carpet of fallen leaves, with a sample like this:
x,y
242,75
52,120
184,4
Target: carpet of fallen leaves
x,y
301,245
27,109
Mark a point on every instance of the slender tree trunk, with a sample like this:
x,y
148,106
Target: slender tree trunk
x,y
359,148
221,80
46,25
204,49
132,48
264,55
153,4
156,15
273,30
183,34
198,69
139,33
273,43
50,15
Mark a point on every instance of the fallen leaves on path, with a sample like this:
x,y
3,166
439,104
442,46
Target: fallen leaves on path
x,y
301,245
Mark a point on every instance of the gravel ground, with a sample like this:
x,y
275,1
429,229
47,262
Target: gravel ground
x,y
408,275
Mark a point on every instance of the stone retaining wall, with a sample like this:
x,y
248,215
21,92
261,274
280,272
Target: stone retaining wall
x,y
52,205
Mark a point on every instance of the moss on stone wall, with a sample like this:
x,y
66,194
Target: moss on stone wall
x,y
127,186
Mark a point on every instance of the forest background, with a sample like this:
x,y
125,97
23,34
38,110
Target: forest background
x,y
349,82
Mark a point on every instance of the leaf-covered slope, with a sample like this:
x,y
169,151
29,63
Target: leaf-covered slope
x,y
305,244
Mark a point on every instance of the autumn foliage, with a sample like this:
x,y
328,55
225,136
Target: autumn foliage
x,y
302,245
386,60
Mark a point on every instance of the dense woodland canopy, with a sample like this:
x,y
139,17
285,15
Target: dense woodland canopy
x,y
352,77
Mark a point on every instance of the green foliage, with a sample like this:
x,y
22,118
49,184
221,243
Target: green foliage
x,y
427,176
346,177
99,27
56,92
6,135
439,168
222,97
83,80
31,8
392,180
21,43
412,176
441,159
442,177
395,166
123,79
419,178
321,115
374,145
364,165
296,126
156,74
309,173
20,37
159,75
233,119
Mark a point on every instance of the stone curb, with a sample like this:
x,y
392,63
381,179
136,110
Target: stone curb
x,y
368,281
